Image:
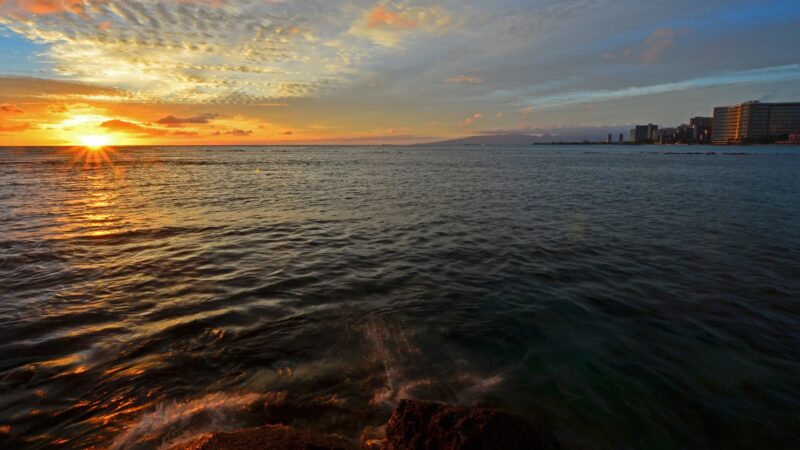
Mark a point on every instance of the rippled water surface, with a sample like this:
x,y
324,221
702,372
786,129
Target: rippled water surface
x,y
633,299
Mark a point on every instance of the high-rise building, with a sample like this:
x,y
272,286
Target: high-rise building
x,y
644,134
610,139
684,134
701,129
666,135
755,122
621,138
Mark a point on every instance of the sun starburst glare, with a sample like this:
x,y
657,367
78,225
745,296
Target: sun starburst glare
x,y
95,141
94,152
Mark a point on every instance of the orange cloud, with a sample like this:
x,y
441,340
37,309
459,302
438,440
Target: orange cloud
x,y
464,79
122,126
14,128
234,132
8,108
131,128
390,27
381,18
172,121
472,119
656,43
185,133
44,7
12,87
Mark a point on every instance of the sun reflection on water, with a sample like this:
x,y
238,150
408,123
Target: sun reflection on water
x,y
94,156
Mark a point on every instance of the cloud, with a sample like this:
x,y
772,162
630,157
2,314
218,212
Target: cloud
x,y
234,132
238,132
382,18
43,7
173,51
763,75
185,133
526,111
655,44
471,120
40,88
543,16
138,129
117,125
390,27
14,128
8,108
73,109
213,3
173,121
464,79
650,50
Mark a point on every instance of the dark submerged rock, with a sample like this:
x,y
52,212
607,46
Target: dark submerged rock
x,y
269,437
417,425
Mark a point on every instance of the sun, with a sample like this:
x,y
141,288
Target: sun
x,y
96,141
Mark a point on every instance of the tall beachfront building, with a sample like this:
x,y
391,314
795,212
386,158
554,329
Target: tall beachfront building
x,y
755,122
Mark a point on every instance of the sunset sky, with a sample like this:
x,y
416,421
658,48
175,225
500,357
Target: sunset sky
x,y
326,71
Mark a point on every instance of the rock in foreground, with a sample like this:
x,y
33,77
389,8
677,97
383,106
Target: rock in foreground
x,y
269,437
419,425
414,425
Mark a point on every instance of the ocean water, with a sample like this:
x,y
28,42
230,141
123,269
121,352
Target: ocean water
x,y
632,297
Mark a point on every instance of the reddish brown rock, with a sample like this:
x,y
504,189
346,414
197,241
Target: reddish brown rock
x,y
268,437
419,425
414,425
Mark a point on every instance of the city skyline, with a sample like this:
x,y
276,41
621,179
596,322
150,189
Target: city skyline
x,y
191,72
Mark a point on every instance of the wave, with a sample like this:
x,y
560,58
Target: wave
x,y
173,423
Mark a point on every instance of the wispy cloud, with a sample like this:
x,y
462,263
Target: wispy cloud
x,y
656,43
464,79
650,50
14,128
173,121
234,132
764,75
471,119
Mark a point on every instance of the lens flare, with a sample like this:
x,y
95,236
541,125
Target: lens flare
x,y
95,141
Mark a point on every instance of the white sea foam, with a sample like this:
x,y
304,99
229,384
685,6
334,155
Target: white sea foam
x,y
175,422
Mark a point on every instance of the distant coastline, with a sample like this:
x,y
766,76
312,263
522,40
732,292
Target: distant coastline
x,y
533,140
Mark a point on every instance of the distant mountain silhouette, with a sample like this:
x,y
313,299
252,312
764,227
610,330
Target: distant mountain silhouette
x,y
514,139
491,139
